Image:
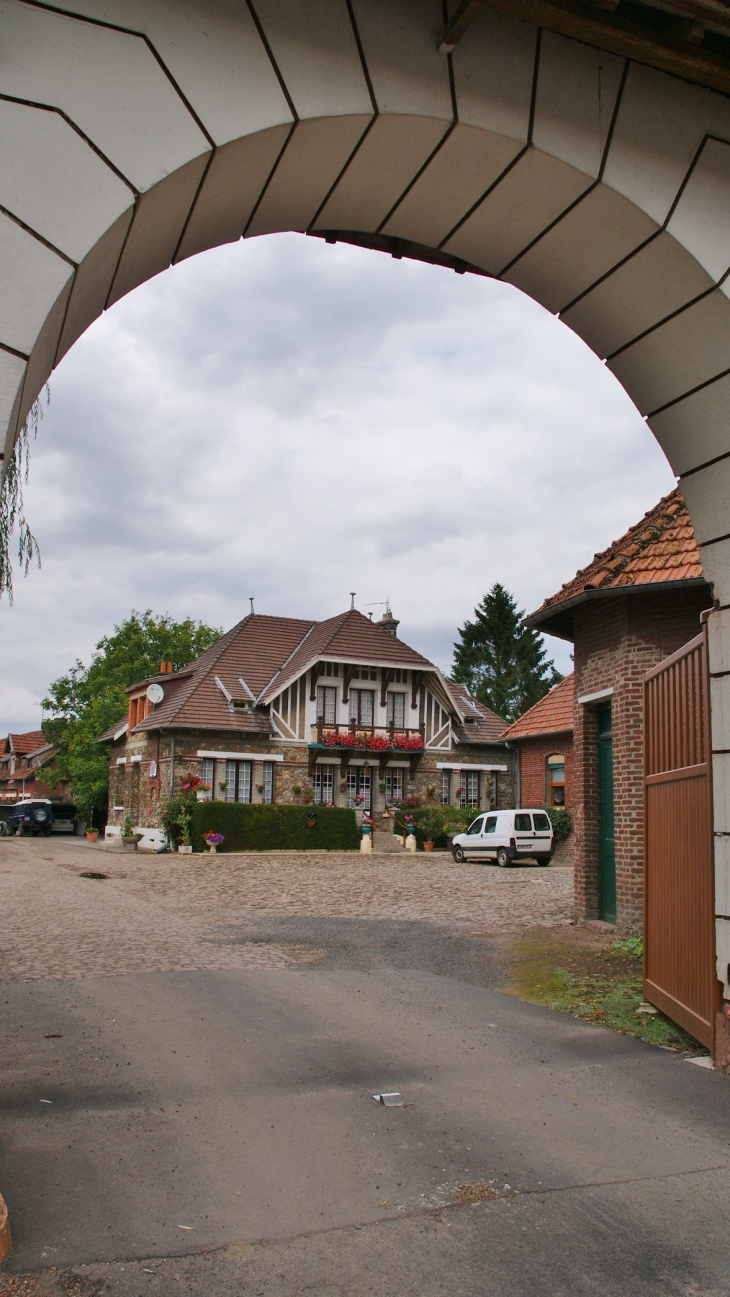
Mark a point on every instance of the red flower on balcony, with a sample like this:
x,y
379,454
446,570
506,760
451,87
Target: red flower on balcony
x,y
408,742
379,743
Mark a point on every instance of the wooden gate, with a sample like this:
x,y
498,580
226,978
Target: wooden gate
x,y
679,926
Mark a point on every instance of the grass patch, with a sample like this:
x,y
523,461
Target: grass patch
x,y
594,977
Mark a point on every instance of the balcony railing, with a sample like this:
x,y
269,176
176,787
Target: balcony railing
x,y
375,738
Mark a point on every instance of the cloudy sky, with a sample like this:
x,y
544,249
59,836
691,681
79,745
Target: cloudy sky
x,y
294,421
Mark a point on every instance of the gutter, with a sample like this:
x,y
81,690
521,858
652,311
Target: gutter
x,y
539,618
516,772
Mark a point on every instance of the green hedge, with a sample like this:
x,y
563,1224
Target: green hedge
x,y
258,827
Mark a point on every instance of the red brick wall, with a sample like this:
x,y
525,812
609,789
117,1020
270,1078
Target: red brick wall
x,y
616,641
533,768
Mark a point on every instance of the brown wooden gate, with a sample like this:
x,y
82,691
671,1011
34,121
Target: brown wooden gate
x,y
679,925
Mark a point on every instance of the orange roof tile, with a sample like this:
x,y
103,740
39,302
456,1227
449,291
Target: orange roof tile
x,y
22,744
553,714
661,548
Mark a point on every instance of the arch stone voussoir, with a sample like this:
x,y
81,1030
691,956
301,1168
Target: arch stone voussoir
x,y
134,133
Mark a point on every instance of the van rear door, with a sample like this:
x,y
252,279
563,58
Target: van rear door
x,y
524,833
543,833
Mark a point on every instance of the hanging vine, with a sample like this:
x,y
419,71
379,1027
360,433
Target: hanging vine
x,y
12,511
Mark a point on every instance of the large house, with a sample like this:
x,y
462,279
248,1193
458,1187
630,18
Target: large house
x,y
279,709
638,601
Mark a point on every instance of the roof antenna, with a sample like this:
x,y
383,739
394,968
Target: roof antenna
x,y
352,600
250,600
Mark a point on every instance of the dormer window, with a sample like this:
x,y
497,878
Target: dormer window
x,y
238,705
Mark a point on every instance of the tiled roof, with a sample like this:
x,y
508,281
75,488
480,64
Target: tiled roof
x,y
256,660
22,744
26,772
109,735
486,726
553,714
352,637
660,548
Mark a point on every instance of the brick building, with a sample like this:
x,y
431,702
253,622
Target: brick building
x,y
543,740
22,760
635,604
341,710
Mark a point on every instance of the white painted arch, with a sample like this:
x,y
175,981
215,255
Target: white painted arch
x,y
135,133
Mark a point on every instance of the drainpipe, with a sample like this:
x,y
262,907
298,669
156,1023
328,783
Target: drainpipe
x,y
172,765
516,772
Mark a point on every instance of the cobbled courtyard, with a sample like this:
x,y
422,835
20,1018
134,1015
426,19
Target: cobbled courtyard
x,y
158,913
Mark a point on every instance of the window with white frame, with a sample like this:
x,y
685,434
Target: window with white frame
x,y
323,782
362,705
268,782
394,785
469,789
359,785
238,781
327,704
445,787
207,775
397,710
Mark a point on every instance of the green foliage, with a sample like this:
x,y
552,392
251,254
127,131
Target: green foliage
x,y
88,700
433,823
502,662
262,827
561,820
12,513
177,817
633,946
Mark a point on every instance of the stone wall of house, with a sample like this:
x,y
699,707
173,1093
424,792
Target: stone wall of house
x,y
133,793
616,641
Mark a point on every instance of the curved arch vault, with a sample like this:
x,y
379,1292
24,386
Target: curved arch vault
x,y
135,133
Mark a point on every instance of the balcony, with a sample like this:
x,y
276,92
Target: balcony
x,y
358,743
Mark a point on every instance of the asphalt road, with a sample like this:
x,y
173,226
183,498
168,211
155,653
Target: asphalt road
x,y
237,1104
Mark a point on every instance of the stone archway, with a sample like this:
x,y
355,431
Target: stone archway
x,y
135,133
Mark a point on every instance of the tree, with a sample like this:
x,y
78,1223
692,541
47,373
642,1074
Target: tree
x,y
87,700
502,663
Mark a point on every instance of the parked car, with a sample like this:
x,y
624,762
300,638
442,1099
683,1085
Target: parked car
x,y
32,815
64,817
505,836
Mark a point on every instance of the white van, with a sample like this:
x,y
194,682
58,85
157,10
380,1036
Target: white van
x,y
506,835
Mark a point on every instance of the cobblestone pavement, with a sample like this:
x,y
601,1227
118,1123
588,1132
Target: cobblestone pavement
x,y
172,913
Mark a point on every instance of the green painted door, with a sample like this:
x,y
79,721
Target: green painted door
x,y
606,838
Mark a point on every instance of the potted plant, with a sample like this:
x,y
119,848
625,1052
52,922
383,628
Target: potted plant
x,y
429,822
129,837
261,788
92,834
297,790
214,840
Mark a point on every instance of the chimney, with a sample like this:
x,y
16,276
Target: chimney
x,y
389,622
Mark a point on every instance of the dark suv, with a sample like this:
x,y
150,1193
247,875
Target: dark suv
x,y
32,816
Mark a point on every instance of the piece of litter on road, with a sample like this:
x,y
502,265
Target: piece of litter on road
x,y
186,1227
54,1035
46,1101
146,1271
704,1060
391,1099
384,1203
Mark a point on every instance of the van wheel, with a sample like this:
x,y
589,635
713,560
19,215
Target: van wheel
x,y
458,854
543,860
503,857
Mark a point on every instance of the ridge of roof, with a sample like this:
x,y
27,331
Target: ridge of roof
x,y
551,714
660,549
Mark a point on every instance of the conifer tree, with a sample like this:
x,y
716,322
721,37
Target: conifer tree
x,y
502,663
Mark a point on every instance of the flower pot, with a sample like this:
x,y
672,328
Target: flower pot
x,y
185,850
92,835
201,797
131,841
428,846
212,849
